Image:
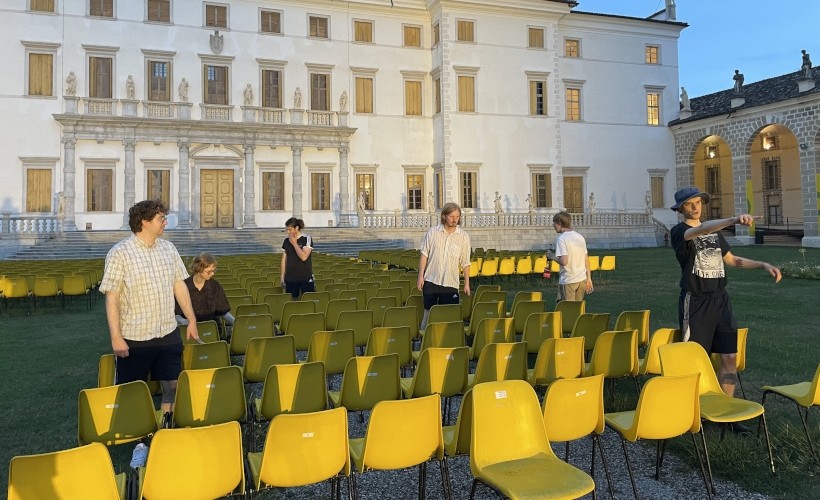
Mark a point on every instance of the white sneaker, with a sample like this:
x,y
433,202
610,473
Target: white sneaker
x,y
139,456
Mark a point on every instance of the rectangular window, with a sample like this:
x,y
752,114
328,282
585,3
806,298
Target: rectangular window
x,y
99,77
771,175
652,54
542,190
436,34
438,189
270,21
466,93
712,179
365,190
159,186
216,16
364,95
41,74
99,187
273,190
363,31
415,190
271,88
466,31
653,108
656,186
536,38
468,189
42,5
437,94
101,8
572,47
320,191
158,87
159,11
318,27
412,36
573,104
38,190
319,92
538,102
412,98
216,85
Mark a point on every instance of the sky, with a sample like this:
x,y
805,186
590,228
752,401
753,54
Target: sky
x,y
761,38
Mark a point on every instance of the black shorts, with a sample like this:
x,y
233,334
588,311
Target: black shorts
x,y
708,320
437,294
295,288
161,357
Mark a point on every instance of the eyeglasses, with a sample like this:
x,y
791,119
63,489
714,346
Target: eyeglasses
x,y
163,218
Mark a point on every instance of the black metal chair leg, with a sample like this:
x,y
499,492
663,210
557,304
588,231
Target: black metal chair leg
x,y
629,468
700,463
597,439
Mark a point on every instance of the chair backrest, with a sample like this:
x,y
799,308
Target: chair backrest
x,y
360,321
115,414
594,262
502,361
608,263
358,295
522,310
303,326
682,358
558,358
252,309
590,326
264,352
333,348
507,424
440,370
404,285
262,290
379,306
574,408
449,334
651,363
209,396
83,472
295,307
209,355
637,320
403,433
238,300
539,327
368,380
73,285
336,307
740,358
667,407
570,310
204,462
276,303
370,288
493,296
615,354
303,449
208,332
524,265
489,267
457,437
403,316
293,388
442,313
45,286
247,327
526,296
491,330
390,340
539,264
106,370
484,310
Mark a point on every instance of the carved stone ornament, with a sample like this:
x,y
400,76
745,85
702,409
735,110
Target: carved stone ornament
x,y
217,42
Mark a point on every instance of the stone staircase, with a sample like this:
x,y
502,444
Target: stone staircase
x,y
96,244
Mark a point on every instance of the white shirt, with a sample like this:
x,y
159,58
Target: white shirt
x,y
574,246
447,254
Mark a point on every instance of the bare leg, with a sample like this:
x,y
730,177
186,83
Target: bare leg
x,y
728,373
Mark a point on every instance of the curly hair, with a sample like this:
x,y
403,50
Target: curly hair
x,y
145,210
563,219
202,262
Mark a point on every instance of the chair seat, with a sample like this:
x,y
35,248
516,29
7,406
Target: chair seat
x,y
407,386
335,398
450,444
800,392
529,478
621,420
722,408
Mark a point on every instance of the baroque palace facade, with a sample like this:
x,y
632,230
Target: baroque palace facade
x,y
242,113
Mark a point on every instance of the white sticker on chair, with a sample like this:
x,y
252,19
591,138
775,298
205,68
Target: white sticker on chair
x,y
450,357
508,356
334,343
210,386
307,434
112,406
390,340
560,353
500,394
581,393
203,357
372,374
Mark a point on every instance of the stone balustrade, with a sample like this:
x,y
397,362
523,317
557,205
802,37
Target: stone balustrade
x,y
29,225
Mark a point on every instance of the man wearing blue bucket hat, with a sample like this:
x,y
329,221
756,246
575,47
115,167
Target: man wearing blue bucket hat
x,y
704,309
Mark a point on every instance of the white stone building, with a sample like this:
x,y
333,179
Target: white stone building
x,y
320,108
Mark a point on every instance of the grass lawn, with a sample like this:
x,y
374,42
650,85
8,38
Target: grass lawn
x,y
48,355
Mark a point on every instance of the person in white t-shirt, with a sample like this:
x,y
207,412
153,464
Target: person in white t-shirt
x,y
575,278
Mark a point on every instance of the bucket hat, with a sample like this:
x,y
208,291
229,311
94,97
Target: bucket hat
x,y
682,195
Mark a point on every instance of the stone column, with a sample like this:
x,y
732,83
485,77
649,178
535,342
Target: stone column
x,y
184,202
344,188
741,172
250,189
297,181
129,189
69,223
810,176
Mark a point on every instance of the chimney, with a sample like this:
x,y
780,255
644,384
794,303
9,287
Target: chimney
x,y
670,10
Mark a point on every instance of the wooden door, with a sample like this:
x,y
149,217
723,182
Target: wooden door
x,y
216,198
574,194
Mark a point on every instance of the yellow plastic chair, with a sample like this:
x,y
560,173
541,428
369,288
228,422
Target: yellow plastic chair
x,y
607,265
390,340
264,352
615,356
319,298
403,434
16,288
335,289
489,268
336,307
444,313
805,394
276,303
650,364
516,460
740,358
366,381
506,267
208,332
442,371
404,285
303,326
522,310
492,296
574,409
303,449
489,331
380,305
637,320
500,361
106,370
252,310
293,308
182,463
403,316
524,266
210,396
73,474
594,262
539,327
668,407
115,414
590,326
370,288
482,311
480,289
209,355
457,437
558,358
449,334
333,348
237,300
681,358
262,290
361,322
247,327
525,296
358,295
570,310
44,286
